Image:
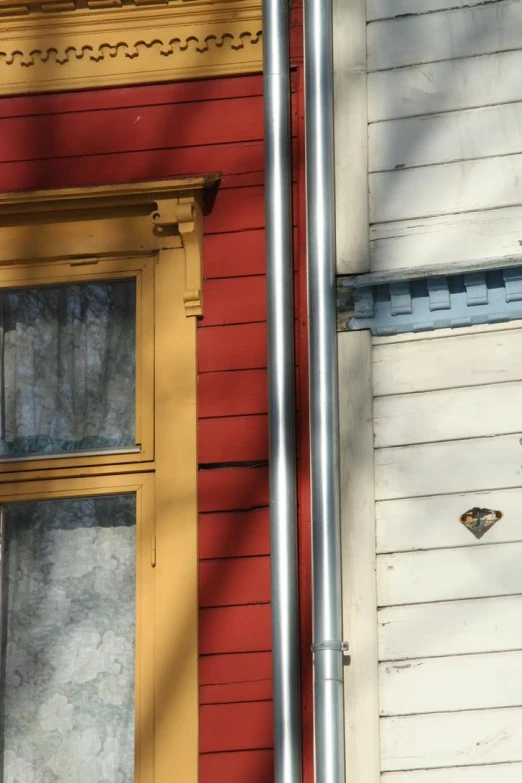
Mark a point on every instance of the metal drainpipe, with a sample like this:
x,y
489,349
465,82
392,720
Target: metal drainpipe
x,y
282,453
324,403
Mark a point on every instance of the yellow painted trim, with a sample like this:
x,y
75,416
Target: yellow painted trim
x,y
61,46
56,236
85,224
176,696
142,270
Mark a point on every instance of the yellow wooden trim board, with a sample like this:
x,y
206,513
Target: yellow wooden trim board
x,y
153,232
51,46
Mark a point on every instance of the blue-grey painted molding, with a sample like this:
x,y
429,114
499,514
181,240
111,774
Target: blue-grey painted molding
x,y
433,302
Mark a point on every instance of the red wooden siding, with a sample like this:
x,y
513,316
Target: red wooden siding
x,y
253,766
156,132
144,133
244,348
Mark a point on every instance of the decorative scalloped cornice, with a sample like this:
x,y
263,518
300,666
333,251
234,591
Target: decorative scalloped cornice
x,y
47,50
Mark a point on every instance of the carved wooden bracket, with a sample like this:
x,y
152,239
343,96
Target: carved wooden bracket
x,y
158,218
186,216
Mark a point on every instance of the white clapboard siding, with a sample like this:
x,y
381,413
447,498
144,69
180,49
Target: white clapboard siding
x,y
485,773
466,32
450,628
460,331
455,738
351,132
388,9
448,467
443,138
445,86
451,414
448,574
433,522
446,189
446,239
442,363
461,682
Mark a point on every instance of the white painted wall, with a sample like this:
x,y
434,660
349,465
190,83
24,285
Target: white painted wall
x,y
429,172
447,438
428,131
445,130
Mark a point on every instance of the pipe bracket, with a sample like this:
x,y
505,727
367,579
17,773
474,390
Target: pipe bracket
x,y
330,644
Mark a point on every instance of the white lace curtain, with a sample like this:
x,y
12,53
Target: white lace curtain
x,y
67,382
68,652
67,368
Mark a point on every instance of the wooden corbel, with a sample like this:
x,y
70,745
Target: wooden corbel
x,y
163,216
184,214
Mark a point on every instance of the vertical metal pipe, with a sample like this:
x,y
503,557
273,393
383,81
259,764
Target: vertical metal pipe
x,y
283,524
324,404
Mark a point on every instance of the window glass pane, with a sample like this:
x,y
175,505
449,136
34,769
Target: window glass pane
x,y
68,641
67,368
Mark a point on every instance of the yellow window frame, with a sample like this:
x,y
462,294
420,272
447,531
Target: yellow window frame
x,y
68,271
152,231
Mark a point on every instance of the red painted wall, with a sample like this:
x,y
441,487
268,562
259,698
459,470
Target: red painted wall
x,y
156,132
140,133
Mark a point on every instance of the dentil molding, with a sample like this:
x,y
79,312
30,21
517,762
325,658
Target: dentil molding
x,y
53,46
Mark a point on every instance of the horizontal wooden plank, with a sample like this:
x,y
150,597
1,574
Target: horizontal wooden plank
x,y
234,300
447,238
445,86
500,773
240,164
233,393
229,489
433,522
463,32
226,727
462,682
236,692
236,347
447,362
461,331
237,439
450,628
234,581
149,95
449,574
237,766
238,209
451,187
131,129
448,415
437,334
233,678
235,629
443,138
388,9
234,668
232,255
458,739
457,466
234,534
240,766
